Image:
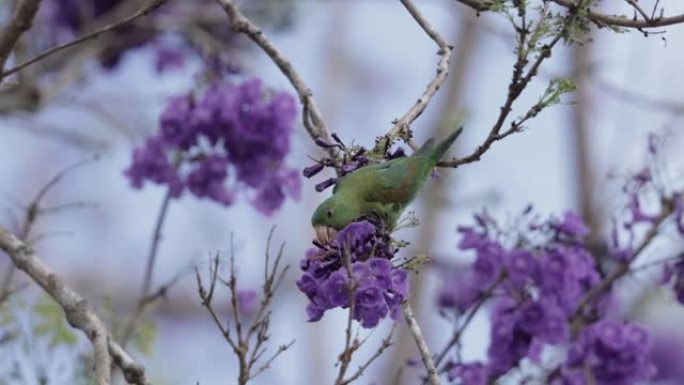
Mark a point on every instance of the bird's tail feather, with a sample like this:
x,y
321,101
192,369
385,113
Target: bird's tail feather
x,y
442,147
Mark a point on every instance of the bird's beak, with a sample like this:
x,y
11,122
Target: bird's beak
x,y
325,234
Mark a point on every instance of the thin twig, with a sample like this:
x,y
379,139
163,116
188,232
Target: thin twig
x,y
386,343
154,245
146,8
248,343
20,22
624,268
401,127
311,116
33,211
458,333
268,362
425,354
79,313
144,298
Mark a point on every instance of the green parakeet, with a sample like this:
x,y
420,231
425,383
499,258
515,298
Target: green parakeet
x,y
381,191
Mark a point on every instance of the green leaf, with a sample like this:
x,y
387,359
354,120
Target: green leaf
x,y
51,323
145,336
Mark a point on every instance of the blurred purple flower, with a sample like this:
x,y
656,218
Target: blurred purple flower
x,y
238,130
614,353
667,354
468,374
571,225
247,301
208,180
168,58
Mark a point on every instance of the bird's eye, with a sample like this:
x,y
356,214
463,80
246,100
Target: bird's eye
x,y
329,213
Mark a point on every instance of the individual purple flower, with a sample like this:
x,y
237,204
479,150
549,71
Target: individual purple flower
x,y
176,123
468,374
208,180
544,319
151,162
571,225
613,352
247,301
458,290
521,266
488,264
168,58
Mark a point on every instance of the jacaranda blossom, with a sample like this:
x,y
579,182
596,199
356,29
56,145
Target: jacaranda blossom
x,y
229,139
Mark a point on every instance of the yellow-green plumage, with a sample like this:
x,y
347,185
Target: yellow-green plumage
x,y
381,190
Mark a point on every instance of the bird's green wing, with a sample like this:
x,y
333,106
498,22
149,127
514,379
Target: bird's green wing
x,y
393,182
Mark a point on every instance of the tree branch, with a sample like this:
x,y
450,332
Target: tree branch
x,y
623,21
425,354
146,8
78,312
401,128
311,116
21,21
599,18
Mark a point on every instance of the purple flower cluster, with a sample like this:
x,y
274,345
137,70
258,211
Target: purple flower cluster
x,y
229,133
538,278
356,264
612,353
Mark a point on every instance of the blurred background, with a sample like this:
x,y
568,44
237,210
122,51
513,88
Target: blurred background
x,y
366,61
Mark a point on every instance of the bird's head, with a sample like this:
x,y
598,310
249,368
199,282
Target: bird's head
x,y
332,215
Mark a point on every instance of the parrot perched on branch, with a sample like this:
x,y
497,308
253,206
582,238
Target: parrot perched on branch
x,y
379,191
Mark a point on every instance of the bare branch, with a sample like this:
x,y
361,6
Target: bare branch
x,y
21,21
248,343
31,214
515,88
624,21
146,8
425,354
311,116
78,312
401,128
599,18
